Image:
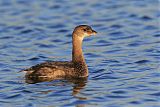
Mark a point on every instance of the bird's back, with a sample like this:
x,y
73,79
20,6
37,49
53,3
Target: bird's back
x,y
56,70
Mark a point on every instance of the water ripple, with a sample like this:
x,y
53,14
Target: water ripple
x,y
123,59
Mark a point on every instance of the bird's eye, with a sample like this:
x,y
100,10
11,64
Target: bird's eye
x,y
84,29
88,28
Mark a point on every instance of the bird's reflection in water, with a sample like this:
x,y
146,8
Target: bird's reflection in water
x,y
79,83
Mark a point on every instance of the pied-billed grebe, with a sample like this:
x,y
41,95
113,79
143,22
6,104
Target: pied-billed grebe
x,y
58,69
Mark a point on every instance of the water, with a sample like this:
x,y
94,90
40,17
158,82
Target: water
x,y
123,59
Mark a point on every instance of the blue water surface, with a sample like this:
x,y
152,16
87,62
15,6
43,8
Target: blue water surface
x,y
123,59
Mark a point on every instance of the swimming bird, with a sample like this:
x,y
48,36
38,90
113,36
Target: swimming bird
x,y
76,68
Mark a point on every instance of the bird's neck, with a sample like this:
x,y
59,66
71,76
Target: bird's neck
x,y
77,53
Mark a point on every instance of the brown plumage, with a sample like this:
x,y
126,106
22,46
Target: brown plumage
x,y
76,68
